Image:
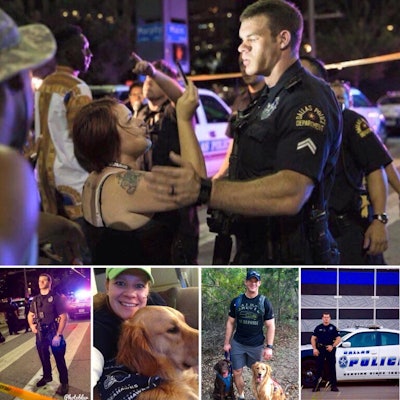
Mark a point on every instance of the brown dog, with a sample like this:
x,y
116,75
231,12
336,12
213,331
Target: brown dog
x,y
223,384
263,386
158,342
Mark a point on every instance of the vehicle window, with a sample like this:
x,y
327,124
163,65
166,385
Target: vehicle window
x,y
119,95
390,100
389,339
359,100
214,111
364,339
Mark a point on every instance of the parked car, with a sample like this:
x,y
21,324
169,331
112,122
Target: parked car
x,y
120,92
363,354
390,107
20,303
370,111
79,304
211,119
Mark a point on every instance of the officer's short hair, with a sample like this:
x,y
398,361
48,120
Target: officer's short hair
x,y
317,66
282,15
49,278
326,313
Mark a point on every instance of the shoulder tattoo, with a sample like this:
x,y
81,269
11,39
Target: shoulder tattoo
x,y
129,180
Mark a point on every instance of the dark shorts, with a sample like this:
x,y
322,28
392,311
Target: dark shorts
x,y
242,355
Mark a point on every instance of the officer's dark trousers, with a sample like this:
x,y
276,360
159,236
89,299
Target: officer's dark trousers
x,y
43,349
331,360
12,323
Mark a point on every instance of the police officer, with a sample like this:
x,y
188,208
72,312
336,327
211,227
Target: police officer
x,y
11,312
47,318
360,231
288,146
356,208
324,341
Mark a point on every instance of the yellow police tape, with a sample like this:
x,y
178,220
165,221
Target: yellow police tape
x,y
21,393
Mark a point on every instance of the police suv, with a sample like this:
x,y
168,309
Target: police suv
x,y
363,354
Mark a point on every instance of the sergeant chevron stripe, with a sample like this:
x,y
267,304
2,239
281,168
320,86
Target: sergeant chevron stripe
x,y
307,143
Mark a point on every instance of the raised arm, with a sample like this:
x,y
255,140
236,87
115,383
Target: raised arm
x,y
190,147
170,86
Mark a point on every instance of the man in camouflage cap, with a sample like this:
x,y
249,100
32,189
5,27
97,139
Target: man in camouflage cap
x,y
21,50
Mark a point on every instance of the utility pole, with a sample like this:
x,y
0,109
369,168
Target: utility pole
x,y
25,284
311,16
311,27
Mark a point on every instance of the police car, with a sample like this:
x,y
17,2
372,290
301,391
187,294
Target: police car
x,y
390,107
363,354
79,304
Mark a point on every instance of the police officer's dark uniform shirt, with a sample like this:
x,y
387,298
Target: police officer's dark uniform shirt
x,y
50,307
362,152
241,102
326,335
295,125
250,320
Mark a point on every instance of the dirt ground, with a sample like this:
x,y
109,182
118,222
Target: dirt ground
x,y
284,364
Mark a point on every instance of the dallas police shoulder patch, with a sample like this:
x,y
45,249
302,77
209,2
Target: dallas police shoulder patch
x,y
362,128
312,117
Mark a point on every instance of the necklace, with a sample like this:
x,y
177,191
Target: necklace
x,y
119,165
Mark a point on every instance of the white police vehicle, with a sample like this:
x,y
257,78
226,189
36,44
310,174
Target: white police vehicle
x,y
363,354
211,122
79,303
390,107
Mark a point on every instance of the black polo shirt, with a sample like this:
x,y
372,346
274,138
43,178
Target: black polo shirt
x,y
326,335
49,307
362,152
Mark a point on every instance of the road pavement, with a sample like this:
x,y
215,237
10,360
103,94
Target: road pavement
x,y
20,365
356,391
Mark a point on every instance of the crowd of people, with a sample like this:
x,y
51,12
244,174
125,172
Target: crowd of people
x,y
121,184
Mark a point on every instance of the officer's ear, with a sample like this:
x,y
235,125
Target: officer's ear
x,y
284,38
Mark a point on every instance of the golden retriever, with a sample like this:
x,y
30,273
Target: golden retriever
x,y
156,341
263,386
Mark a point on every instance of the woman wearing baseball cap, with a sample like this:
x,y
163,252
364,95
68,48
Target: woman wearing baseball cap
x,y
127,290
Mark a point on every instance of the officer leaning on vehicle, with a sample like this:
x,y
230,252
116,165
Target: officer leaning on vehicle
x,y
324,341
47,319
